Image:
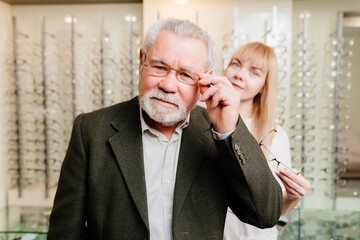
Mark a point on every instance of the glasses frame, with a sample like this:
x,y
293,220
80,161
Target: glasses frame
x,y
168,68
273,158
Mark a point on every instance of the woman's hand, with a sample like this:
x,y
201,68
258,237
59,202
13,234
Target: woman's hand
x,y
296,187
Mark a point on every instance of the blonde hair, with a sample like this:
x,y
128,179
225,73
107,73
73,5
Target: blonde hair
x,y
264,108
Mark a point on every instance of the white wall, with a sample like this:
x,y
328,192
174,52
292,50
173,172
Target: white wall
x,y
5,41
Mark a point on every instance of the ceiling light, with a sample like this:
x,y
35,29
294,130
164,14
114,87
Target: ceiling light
x,y
181,2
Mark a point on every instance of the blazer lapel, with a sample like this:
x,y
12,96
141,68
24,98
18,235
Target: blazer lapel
x,y
127,147
191,155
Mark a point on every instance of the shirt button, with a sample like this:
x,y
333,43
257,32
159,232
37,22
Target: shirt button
x,y
167,181
169,217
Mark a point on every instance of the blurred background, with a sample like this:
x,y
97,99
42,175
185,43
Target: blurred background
x,y
60,58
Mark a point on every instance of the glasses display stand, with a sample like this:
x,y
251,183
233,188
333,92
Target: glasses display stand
x,y
277,41
232,40
301,131
314,224
345,153
52,78
30,223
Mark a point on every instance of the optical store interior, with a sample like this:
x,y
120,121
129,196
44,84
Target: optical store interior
x,y
62,58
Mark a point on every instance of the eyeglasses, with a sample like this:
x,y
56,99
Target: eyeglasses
x,y
280,165
158,69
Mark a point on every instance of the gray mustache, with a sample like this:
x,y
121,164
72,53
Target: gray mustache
x,y
168,97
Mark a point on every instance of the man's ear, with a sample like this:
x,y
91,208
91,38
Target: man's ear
x,y
141,56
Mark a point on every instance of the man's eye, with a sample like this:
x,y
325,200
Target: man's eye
x,y
159,68
185,75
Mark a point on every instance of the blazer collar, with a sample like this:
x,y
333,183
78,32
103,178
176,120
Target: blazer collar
x,y
127,147
194,146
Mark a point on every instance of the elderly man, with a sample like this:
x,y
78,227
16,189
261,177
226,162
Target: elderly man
x,y
158,167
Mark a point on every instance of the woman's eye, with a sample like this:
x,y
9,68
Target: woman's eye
x,y
235,64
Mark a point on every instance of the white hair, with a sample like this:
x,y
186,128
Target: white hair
x,y
159,113
183,28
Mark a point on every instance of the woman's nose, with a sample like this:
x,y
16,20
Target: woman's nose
x,y
240,74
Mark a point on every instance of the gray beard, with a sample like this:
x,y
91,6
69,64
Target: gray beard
x,y
165,116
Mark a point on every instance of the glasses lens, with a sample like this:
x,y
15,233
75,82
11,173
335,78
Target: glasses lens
x,y
162,71
188,78
158,70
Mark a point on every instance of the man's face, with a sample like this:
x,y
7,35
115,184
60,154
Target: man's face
x,y
165,99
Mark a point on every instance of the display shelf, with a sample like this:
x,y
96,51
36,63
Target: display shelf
x,y
24,223
317,224
31,223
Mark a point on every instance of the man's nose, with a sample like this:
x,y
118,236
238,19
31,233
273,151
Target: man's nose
x,y
169,83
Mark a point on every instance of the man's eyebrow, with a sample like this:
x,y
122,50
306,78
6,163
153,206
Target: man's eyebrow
x,y
161,61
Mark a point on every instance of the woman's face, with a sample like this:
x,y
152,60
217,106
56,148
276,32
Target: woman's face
x,y
248,79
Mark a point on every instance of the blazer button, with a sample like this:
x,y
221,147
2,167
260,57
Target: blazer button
x,y
236,146
241,156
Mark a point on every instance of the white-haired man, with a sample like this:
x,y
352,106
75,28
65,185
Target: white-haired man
x,y
158,167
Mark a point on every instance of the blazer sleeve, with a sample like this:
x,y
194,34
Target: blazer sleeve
x,y
68,216
254,195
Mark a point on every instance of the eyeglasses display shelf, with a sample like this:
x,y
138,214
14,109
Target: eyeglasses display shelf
x,y
316,224
24,223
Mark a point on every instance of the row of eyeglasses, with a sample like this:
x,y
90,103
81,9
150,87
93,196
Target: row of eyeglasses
x,y
303,128
322,117
302,104
278,43
340,52
50,83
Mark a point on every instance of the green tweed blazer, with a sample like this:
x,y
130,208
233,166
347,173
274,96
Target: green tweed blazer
x,y
102,192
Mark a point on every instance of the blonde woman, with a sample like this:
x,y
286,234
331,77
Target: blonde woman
x,y
253,72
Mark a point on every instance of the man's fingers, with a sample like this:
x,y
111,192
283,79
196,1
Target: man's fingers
x,y
208,93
